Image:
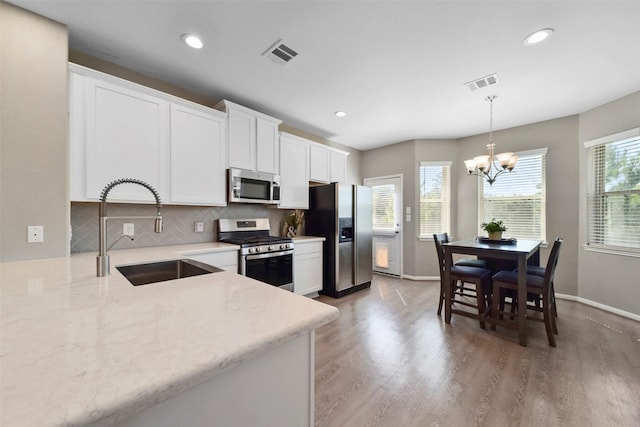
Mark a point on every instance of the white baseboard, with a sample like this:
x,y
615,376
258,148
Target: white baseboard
x,y
581,300
601,306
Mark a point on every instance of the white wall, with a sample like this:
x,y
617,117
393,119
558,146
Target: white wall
x,y
607,279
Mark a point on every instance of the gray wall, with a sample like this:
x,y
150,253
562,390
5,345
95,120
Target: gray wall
x,y
33,135
559,136
604,278
179,223
397,159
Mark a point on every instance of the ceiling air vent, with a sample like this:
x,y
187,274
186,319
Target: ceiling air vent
x,y
485,81
280,53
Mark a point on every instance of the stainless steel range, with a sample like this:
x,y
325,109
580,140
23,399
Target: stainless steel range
x,y
262,257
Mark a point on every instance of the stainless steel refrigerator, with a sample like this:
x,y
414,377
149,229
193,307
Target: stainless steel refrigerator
x,y
342,214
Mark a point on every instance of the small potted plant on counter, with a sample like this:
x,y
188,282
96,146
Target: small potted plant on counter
x,y
494,229
293,222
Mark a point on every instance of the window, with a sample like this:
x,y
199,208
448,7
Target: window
x,y
518,198
384,207
434,198
613,191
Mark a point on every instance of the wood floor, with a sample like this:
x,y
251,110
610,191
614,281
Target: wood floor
x,y
389,360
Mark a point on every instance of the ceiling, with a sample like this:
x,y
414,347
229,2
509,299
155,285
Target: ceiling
x,y
397,68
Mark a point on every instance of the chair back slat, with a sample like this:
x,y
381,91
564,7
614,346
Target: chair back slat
x,y
440,238
552,262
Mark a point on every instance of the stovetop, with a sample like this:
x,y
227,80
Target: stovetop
x,y
252,235
256,240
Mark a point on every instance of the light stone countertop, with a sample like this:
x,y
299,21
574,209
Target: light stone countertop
x,y
76,349
308,239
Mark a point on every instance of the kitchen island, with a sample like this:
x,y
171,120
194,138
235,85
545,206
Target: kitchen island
x,y
215,349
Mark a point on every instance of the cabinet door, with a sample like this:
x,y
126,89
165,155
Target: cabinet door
x,y
267,146
197,157
307,268
227,260
127,137
338,166
242,139
294,173
319,163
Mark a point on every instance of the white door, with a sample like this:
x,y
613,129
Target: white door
x,y
387,224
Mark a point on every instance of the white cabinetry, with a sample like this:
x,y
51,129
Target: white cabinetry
x,y
319,163
307,267
120,129
337,165
226,260
294,172
198,140
117,131
252,139
327,164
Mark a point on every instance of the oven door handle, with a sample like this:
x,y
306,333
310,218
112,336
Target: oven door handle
x,y
268,255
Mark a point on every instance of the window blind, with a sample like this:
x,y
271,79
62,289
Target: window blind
x,y
518,198
613,193
435,189
384,208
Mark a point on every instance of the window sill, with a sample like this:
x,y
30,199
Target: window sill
x,y
611,251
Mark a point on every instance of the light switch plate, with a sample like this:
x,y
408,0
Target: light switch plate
x,y
35,234
199,227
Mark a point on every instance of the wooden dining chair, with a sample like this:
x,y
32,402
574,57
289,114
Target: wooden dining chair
x,y
469,262
537,270
462,276
505,284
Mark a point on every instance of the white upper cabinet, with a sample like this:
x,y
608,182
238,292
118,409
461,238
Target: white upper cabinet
x,y
319,163
253,142
267,146
120,129
337,165
117,132
294,172
198,140
327,164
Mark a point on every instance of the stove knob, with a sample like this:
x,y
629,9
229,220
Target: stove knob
x,y
250,250
258,249
271,248
284,246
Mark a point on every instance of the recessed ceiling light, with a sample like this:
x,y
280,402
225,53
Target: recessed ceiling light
x,y
537,37
340,114
192,41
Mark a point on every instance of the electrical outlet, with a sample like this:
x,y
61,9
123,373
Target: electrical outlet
x,y
128,229
199,227
35,234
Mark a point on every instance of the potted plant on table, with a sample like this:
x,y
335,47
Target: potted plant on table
x,y
494,229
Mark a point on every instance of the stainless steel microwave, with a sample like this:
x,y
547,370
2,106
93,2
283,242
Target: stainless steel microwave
x,y
247,186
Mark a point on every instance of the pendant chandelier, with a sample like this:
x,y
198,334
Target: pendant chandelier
x,y
491,166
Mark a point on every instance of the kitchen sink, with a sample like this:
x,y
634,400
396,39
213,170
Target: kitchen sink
x,y
153,272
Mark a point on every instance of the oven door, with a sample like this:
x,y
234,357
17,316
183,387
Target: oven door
x,y
273,268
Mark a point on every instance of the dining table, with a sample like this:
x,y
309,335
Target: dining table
x,y
520,252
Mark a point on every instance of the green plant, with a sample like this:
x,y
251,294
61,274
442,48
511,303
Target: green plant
x,y
493,226
294,219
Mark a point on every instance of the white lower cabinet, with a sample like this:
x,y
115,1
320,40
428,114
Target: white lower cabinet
x,y
307,267
226,260
275,388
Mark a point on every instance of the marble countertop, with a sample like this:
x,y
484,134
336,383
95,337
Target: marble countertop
x,y
308,239
76,349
